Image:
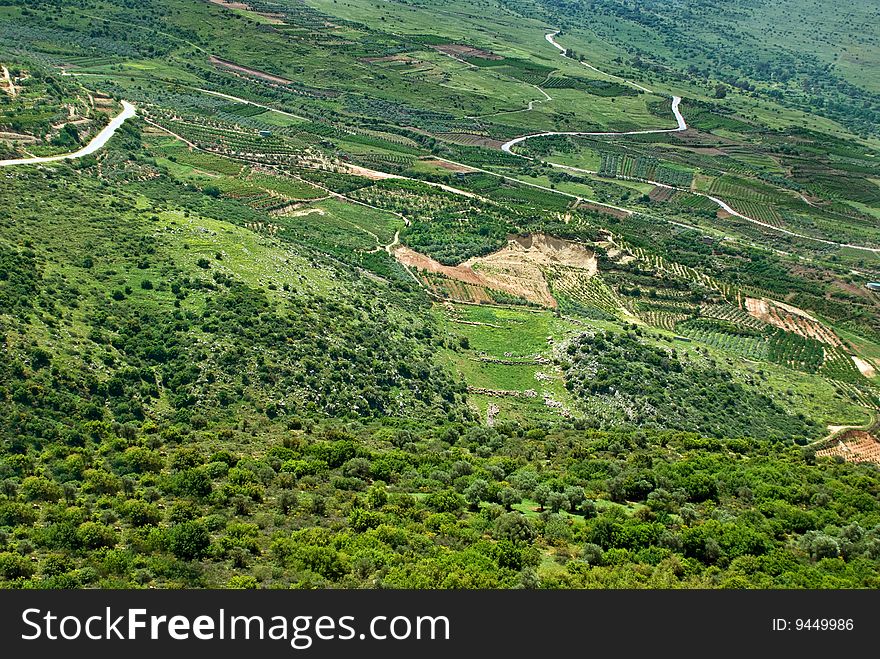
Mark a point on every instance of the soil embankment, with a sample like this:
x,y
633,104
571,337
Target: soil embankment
x,y
517,269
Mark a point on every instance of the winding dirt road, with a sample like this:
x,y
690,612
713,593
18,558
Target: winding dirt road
x,y
682,126
551,37
98,141
129,111
676,101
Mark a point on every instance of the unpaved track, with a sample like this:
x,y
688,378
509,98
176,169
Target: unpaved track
x,y
682,126
191,145
676,100
530,107
247,102
98,141
726,207
834,430
551,37
377,175
394,243
537,186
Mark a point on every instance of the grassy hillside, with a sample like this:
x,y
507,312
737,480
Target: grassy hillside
x,y
303,323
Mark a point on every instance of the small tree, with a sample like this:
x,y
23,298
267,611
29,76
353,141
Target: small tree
x,y
592,554
93,535
542,494
445,501
287,501
820,545
576,496
476,492
15,566
514,527
509,497
188,540
377,496
557,502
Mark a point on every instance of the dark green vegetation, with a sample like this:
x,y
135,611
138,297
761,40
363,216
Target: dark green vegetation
x,y
655,387
217,371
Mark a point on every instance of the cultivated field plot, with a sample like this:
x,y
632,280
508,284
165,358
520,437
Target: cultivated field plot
x,y
854,446
506,356
340,226
519,270
587,291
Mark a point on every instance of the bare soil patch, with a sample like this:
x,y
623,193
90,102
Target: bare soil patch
x,y
405,59
619,256
414,259
7,80
461,51
660,194
795,310
607,210
854,446
866,368
445,164
791,319
274,19
230,5
372,174
307,211
517,269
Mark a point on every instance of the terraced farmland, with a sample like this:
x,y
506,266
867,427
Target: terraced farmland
x,y
588,291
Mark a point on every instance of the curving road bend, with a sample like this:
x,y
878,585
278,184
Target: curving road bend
x,y
682,126
676,101
551,37
97,142
247,102
129,111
